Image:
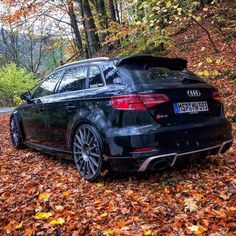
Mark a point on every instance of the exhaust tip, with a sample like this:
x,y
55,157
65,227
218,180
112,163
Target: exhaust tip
x,y
159,165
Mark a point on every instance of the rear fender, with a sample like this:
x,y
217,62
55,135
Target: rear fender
x,y
96,118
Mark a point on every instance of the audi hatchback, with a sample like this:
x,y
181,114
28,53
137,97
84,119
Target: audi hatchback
x,y
130,114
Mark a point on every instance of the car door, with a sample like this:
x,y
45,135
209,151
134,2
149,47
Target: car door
x,y
33,117
63,106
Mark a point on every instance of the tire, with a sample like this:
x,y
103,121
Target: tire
x,y
88,152
15,134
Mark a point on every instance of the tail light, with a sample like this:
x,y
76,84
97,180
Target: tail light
x,y
138,101
217,97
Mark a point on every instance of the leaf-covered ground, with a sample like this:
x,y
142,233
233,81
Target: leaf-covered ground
x,y
44,195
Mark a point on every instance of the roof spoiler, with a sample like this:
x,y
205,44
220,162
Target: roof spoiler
x,y
171,63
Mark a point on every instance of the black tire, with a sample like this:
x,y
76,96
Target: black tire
x,y
15,133
88,152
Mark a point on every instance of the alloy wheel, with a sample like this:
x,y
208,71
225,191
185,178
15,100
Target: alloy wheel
x,y
15,133
87,152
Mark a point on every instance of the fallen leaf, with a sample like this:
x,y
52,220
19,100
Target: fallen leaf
x,y
44,196
42,215
19,226
59,221
147,232
28,231
193,228
121,223
59,208
209,60
100,184
66,194
190,204
108,232
168,4
104,214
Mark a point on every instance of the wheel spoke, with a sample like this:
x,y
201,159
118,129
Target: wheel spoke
x,y
78,159
86,168
91,140
85,134
94,154
92,159
81,165
78,138
81,136
78,152
89,135
91,167
13,127
77,145
94,147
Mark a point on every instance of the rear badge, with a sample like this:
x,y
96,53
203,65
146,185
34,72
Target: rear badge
x,y
194,93
161,116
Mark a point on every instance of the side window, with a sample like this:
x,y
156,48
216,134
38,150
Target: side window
x,y
74,79
111,75
95,77
48,85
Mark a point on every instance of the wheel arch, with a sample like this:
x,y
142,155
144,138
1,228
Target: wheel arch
x,y
81,122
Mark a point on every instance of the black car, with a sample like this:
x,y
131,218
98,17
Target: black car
x,y
131,114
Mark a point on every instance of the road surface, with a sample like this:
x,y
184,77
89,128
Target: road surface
x,y
6,110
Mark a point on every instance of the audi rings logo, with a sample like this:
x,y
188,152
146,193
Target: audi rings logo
x,y
194,93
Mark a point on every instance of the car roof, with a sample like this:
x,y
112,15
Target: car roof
x,y
81,62
163,61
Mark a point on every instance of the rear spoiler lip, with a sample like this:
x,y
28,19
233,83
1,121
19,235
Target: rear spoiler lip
x,y
163,61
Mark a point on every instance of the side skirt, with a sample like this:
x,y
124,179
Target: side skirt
x,y
49,150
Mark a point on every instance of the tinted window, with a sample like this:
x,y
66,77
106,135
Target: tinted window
x,y
150,73
74,79
111,75
48,85
95,77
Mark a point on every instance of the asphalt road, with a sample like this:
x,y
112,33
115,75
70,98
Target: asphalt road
x,y
6,110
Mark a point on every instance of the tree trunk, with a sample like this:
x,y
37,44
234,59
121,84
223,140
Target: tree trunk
x,y
90,28
74,25
116,11
112,10
103,19
87,48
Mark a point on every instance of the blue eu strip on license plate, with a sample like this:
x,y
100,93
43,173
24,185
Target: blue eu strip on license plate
x,y
190,107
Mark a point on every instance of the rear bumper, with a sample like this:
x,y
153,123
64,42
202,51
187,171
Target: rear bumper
x,y
170,144
174,156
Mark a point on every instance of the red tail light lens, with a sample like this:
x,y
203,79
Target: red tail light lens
x,y
138,101
217,97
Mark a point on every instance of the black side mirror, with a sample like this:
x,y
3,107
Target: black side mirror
x,y
26,96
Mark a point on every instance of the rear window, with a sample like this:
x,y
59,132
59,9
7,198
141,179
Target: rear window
x,y
150,73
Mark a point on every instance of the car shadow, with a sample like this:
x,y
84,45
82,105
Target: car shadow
x,y
168,175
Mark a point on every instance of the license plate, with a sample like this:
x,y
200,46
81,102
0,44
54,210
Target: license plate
x,y
190,107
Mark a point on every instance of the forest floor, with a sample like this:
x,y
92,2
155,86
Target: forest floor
x,y
44,195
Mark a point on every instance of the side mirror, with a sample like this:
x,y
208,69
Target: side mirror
x,y
26,96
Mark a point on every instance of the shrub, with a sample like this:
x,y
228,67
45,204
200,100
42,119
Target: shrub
x,y
13,81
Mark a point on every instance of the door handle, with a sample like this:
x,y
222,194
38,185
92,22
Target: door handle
x,y
70,108
41,109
